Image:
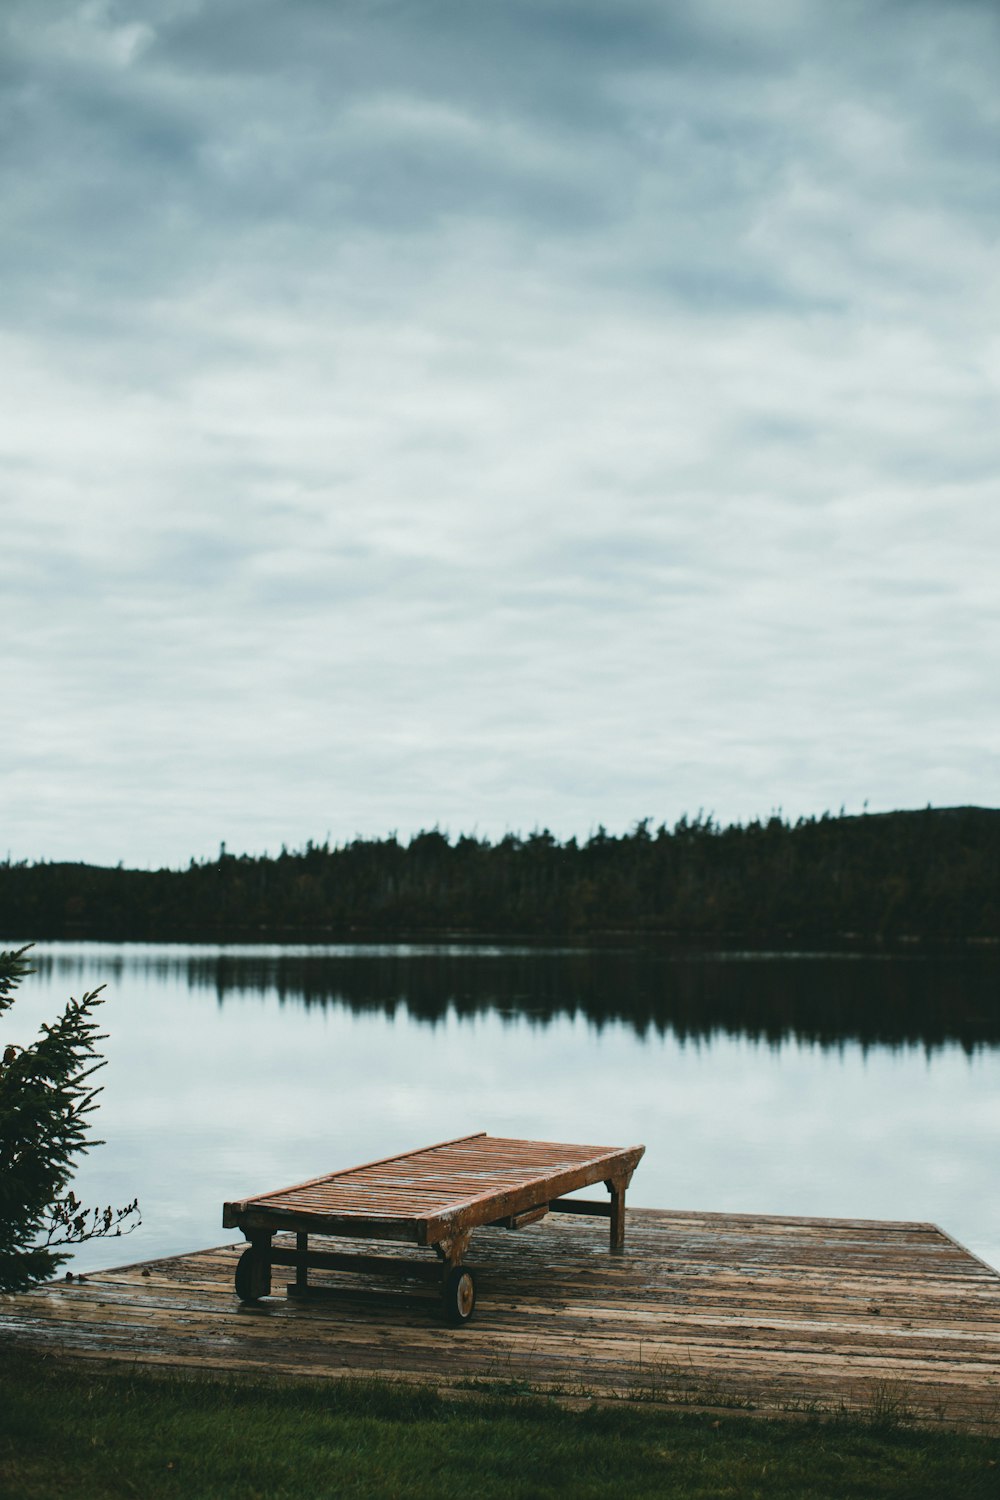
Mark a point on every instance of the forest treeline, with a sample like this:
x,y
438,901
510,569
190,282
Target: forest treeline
x,y
931,876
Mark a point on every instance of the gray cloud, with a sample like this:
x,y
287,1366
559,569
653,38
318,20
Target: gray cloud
x,y
493,415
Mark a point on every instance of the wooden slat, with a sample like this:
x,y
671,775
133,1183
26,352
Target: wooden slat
x,y
706,1308
364,1166
430,1193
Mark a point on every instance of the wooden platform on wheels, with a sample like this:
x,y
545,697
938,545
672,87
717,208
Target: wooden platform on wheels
x,y
434,1196
779,1314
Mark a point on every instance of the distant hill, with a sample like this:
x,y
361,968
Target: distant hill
x,y
930,877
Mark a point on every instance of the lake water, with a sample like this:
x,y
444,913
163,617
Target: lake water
x,y
838,1086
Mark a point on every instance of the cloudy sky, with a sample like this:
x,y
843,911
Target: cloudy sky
x,y
493,415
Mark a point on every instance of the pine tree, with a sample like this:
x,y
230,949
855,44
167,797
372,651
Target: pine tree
x,y
46,1096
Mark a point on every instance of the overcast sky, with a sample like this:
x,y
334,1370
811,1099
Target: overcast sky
x,y
493,415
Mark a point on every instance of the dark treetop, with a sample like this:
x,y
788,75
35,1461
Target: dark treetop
x,y
931,876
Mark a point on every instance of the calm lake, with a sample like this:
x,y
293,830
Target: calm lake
x,y
831,1085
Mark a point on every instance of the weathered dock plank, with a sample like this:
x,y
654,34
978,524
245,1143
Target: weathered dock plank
x,y
709,1309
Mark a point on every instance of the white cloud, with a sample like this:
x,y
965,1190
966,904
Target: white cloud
x,y
583,420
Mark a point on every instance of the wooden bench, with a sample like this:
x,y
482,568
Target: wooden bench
x,y
434,1197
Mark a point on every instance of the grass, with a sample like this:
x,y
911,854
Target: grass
x,y
89,1432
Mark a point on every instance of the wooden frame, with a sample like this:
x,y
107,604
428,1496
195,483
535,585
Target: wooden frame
x,y
433,1197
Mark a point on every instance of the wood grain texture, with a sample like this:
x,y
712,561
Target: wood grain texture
x,y
709,1309
436,1192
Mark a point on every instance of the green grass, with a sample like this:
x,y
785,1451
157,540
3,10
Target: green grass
x,y
85,1432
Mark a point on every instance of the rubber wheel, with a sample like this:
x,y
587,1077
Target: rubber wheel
x,y
459,1295
253,1276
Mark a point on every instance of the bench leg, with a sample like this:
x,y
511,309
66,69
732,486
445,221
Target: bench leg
x,y
451,1251
253,1270
617,1191
458,1286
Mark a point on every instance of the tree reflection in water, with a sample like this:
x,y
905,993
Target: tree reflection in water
x,y
825,999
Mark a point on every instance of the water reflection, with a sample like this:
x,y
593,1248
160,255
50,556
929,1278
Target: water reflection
x,y
829,1000
828,1086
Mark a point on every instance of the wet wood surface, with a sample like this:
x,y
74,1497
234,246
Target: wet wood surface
x,y
708,1309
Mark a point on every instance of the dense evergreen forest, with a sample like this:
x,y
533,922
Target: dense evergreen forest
x,y
931,876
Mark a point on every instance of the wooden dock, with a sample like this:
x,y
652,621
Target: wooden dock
x,y
774,1314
